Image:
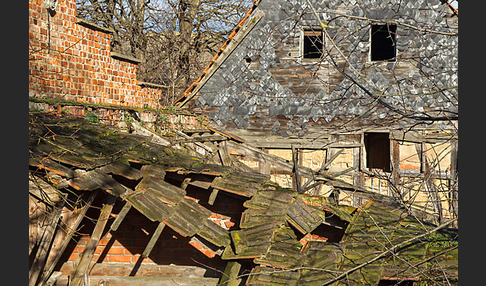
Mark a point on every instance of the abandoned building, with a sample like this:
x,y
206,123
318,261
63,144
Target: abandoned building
x,y
364,89
318,147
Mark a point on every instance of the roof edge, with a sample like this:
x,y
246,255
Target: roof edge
x,y
224,51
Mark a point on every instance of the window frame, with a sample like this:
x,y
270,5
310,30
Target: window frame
x,y
308,29
367,153
392,31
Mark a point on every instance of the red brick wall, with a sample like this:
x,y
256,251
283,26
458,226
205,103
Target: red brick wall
x,y
128,242
71,62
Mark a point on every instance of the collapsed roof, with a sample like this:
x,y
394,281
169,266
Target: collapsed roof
x,y
279,230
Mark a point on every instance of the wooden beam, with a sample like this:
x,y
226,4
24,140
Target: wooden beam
x,y
295,170
206,138
395,175
230,274
50,268
121,215
82,267
327,163
224,154
275,161
42,253
264,167
153,240
212,197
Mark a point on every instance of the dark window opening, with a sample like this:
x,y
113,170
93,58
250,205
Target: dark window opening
x,y
395,282
383,39
377,147
313,44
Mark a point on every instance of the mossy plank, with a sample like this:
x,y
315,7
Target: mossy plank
x,y
150,206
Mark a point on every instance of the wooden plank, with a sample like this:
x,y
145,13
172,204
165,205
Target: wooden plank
x,y
230,136
230,275
224,154
212,197
52,166
150,206
42,253
303,217
153,240
188,217
96,179
162,190
60,250
419,137
275,161
295,170
205,138
124,170
215,234
80,271
121,215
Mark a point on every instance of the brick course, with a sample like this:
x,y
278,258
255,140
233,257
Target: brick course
x,y
71,62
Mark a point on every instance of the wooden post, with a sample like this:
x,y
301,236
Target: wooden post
x,y
264,166
116,223
82,267
42,253
394,190
296,172
153,240
230,274
454,183
224,154
49,268
212,197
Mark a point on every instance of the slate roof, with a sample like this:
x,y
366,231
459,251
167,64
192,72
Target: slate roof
x,y
86,157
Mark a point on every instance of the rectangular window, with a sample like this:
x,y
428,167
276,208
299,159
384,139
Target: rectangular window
x,y
312,45
383,39
377,147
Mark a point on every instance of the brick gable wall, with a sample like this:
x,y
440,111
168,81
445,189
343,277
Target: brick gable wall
x,y
71,62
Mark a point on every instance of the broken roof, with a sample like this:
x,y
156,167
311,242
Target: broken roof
x,y
277,228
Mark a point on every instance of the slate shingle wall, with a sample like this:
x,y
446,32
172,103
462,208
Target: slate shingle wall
x,y
276,82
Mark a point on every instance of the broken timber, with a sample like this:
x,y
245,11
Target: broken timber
x,y
87,255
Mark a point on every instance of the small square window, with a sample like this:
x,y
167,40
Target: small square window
x,y
377,147
312,45
383,39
